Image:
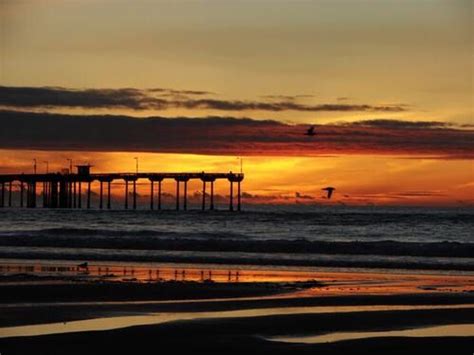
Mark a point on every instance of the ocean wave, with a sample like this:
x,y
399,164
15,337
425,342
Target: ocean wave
x,y
349,237
156,240
234,258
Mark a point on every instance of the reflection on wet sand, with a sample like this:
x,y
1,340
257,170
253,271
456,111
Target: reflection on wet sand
x,y
454,330
333,283
108,323
46,276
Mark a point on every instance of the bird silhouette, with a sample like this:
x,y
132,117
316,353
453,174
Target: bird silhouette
x,y
330,191
310,132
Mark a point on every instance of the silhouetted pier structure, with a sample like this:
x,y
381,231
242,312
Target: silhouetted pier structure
x,y
65,189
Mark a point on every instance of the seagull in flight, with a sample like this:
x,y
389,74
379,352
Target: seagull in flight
x,y
310,132
329,190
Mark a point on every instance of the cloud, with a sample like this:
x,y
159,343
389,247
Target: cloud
x,y
158,99
45,97
399,124
419,194
303,197
181,92
287,97
402,196
230,136
256,198
226,105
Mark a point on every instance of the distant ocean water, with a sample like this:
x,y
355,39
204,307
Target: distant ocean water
x,y
392,238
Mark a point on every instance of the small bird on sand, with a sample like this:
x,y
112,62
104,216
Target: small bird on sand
x,y
310,132
329,190
83,265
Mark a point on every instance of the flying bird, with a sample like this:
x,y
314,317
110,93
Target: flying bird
x,y
329,190
310,132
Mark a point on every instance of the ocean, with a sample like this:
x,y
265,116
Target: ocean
x,y
336,237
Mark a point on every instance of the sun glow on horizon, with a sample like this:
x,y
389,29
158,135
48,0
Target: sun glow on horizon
x,y
359,179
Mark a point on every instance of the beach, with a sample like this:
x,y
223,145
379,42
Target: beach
x,y
73,311
329,281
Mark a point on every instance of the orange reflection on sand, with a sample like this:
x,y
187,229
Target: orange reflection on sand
x,y
332,282
457,330
388,284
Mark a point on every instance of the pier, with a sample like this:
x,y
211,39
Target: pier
x,y
73,190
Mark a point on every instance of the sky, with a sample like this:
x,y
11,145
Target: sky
x,y
192,85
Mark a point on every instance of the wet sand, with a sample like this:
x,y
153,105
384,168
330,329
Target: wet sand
x,y
227,315
453,330
250,335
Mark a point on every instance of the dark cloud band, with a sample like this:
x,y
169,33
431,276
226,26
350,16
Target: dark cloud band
x,y
229,136
159,99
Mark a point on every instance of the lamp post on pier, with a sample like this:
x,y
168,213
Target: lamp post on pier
x,y
241,164
70,165
136,164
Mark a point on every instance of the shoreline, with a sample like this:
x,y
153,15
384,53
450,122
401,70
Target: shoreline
x,y
244,259
176,264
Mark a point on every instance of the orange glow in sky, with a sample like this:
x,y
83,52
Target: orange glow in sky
x,y
359,179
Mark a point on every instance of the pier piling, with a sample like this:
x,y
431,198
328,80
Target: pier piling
x,y
211,207
88,195
177,194
231,196
203,195
22,187
185,197
151,194
134,194
10,185
79,197
126,194
109,206
2,200
159,195
101,194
